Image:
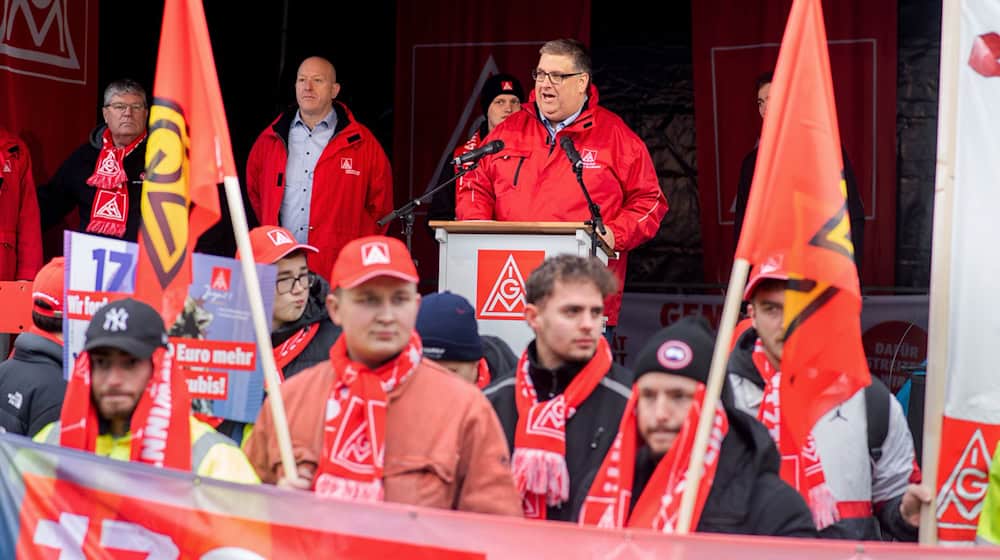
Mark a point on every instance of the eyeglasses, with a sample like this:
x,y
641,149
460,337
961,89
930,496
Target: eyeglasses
x,y
120,107
286,285
555,77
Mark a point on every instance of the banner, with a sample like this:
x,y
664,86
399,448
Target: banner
x,y
734,41
445,51
972,406
61,503
48,74
213,338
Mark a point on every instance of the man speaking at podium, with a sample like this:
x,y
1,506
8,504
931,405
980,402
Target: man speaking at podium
x,y
532,179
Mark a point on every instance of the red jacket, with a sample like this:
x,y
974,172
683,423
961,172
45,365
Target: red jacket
x,y
20,226
532,180
352,185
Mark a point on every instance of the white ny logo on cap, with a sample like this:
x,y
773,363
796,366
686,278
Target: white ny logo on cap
x,y
376,252
116,320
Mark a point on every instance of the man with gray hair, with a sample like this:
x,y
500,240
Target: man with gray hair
x,y
102,179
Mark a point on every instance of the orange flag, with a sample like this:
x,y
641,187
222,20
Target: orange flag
x,y
797,210
188,153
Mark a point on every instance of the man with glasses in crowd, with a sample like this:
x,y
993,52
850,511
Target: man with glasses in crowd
x,y
531,179
102,179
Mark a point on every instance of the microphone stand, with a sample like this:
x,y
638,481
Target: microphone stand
x,y
596,223
405,212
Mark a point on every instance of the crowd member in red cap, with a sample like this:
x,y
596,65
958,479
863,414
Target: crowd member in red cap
x,y
31,381
855,470
500,98
301,330
377,421
640,481
126,402
561,407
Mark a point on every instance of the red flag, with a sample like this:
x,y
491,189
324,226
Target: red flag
x,y
797,210
188,153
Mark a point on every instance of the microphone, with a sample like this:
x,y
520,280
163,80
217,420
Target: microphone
x,y
477,154
566,143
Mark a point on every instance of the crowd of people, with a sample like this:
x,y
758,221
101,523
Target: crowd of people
x,y
394,396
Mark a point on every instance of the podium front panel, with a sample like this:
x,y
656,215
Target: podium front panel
x,y
490,271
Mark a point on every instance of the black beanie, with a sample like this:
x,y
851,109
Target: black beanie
x,y
499,84
683,348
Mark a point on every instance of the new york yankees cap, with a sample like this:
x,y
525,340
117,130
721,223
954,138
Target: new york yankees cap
x,y
128,325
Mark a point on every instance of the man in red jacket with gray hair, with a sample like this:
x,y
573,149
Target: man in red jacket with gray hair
x,y
318,172
531,179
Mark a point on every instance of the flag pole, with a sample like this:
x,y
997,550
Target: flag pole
x,y
940,288
264,350
713,388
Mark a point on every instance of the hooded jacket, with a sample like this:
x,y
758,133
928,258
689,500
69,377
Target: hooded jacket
x,y
20,236
31,385
748,496
68,188
351,186
531,180
589,433
318,349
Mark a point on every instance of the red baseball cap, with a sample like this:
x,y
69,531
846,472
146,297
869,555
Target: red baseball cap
x,y
772,268
47,289
368,257
270,244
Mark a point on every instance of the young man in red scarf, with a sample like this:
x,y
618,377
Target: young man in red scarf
x,y
561,408
125,402
857,468
102,179
640,483
377,422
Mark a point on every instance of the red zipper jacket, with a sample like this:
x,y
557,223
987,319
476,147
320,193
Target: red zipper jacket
x,y
20,225
352,185
532,180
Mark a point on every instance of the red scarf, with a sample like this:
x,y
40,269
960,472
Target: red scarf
x,y
160,425
483,376
288,350
801,467
607,503
109,213
354,429
539,461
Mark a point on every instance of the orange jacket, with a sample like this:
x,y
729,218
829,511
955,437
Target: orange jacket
x,y
352,185
444,445
532,180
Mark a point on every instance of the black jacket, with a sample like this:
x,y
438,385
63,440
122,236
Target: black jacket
x,y
589,432
318,349
31,385
748,496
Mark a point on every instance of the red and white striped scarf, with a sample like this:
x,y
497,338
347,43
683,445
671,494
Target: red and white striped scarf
x,y
160,425
801,467
607,503
109,213
354,428
539,460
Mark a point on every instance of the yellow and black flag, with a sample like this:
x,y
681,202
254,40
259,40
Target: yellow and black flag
x,y
187,155
797,213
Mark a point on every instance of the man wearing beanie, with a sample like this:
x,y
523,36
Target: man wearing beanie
x,y
31,381
562,405
450,334
126,402
640,482
377,422
500,98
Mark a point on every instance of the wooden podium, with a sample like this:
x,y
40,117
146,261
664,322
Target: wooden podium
x,y
488,262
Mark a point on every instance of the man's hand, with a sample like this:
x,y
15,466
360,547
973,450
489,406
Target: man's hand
x,y
608,238
303,480
914,497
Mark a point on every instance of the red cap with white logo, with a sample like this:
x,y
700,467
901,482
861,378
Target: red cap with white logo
x,y
772,268
369,257
270,244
